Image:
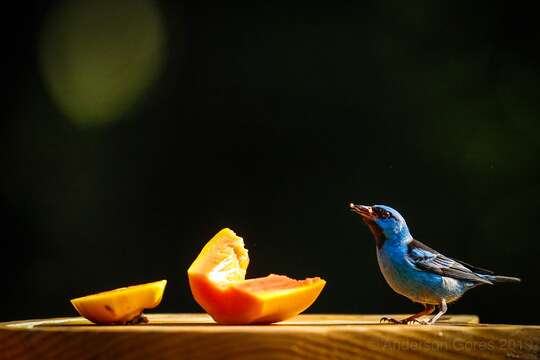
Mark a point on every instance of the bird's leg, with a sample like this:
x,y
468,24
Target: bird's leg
x,y
442,310
428,309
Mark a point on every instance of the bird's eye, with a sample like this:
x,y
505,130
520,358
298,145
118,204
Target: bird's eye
x,y
382,213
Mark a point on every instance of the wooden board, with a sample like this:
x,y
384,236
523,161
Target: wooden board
x,y
196,336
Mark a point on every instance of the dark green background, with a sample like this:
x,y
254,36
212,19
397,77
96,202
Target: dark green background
x,y
270,119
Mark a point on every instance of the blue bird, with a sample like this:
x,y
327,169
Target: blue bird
x,y
415,270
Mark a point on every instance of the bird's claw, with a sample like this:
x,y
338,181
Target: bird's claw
x,y
403,322
391,320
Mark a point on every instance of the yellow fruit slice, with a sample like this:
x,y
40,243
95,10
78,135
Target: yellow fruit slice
x,y
120,306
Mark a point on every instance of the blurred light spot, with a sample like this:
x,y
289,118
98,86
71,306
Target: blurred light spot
x,y
98,57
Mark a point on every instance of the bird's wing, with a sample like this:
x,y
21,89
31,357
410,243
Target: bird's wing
x,y
427,259
476,269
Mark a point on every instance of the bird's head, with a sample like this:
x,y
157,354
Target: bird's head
x,y
384,222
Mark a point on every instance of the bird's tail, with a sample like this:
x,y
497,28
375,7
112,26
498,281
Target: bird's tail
x,y
501,279
506,279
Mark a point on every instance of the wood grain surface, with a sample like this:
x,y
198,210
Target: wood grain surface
x,y
196,336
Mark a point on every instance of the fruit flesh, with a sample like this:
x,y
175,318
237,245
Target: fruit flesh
x,y
120,306
224,259
217,281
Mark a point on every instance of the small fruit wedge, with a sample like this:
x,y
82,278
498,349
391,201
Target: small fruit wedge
x,y
120,306
217,281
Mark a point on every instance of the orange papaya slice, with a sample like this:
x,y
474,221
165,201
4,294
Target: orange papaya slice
x,y
218,284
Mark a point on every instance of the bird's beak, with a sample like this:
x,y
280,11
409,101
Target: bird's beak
x,y
366,212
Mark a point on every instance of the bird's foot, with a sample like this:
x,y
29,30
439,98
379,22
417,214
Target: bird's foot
x,y
391,320
403,321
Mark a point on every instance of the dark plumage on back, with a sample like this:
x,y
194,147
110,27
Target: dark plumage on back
x,y
431,260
